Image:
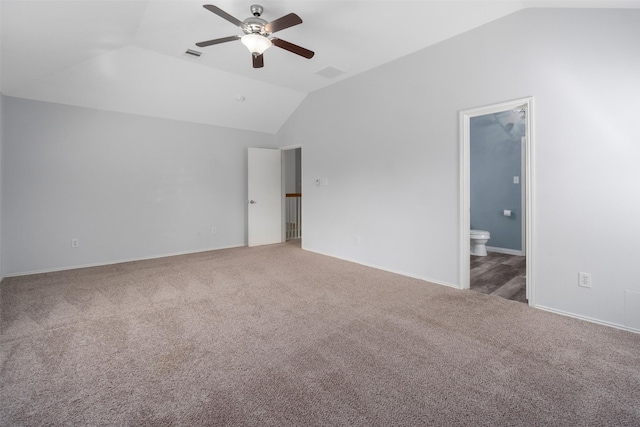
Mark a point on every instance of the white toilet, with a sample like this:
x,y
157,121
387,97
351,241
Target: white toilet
x,y
478,240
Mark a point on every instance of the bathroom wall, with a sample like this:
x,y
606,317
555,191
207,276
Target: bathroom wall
x,y
495,158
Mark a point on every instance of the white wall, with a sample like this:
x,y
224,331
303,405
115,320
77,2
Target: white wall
x,y
388,142
128,187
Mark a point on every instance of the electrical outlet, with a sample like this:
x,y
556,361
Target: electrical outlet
x,y
584,280
358,240
75,243
214,230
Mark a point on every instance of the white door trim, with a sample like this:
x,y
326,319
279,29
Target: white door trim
x,y
465,201
523,183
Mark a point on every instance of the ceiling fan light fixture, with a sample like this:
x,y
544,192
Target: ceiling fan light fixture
x,y
256,43
257,32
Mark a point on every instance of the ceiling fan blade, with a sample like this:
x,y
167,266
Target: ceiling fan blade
x,y
281,23
222,14
293,48
258,61
217,41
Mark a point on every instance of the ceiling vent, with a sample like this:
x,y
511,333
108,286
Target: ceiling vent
x,y
330,72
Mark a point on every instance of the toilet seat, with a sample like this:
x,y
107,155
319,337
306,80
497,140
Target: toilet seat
x,y
480,234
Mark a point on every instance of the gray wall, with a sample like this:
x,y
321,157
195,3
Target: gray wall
x,y
388,142
298,178
495,158
292,164
128,187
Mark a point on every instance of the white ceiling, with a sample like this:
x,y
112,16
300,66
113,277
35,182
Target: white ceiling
x,y
129,56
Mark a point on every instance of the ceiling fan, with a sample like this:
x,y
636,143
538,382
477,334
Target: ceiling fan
x,y
257,33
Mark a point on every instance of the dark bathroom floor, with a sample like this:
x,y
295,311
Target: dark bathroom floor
x,y
500,274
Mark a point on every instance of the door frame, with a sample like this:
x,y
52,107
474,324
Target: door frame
x,y
284,191
528,187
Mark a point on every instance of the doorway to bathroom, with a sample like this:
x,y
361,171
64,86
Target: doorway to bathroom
x,y
496,182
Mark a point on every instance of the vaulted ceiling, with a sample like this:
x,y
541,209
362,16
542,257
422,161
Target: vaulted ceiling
x,y
129,56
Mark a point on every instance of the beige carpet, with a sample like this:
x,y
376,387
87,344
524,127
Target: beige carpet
x,y
280,336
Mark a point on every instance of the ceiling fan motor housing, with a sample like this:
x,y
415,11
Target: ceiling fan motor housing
x,y
255,25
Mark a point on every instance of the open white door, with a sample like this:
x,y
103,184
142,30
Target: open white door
x,y
265,196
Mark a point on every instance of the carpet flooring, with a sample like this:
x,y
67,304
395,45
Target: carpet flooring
x,y
278,336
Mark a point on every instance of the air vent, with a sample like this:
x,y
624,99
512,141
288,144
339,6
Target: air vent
x,y
330,72
193,52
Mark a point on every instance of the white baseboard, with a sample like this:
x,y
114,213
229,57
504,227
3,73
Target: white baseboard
x,y
100,264
437,282
401,273
588,319
505,251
